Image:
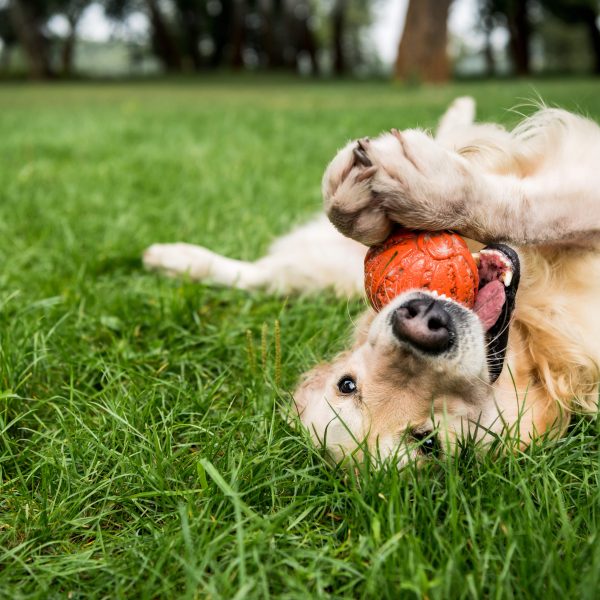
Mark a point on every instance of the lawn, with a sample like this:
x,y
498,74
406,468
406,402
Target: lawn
x,y
143,452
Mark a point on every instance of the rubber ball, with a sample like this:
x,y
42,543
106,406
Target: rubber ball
x,y
412,260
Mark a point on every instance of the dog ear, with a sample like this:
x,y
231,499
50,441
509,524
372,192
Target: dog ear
x,y
311,383
361,331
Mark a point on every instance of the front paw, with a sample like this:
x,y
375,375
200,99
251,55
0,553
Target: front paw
x,y
350,202
404,178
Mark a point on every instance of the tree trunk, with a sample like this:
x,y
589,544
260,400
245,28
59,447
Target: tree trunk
x,y
423,47
5,59
490,61
310,45
238,31
221,27
31,39
488,51
191,25
273,34
520,33
68,49
338,22
594,34
307,42
162,41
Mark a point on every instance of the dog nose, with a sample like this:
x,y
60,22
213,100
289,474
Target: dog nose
x,y
424,323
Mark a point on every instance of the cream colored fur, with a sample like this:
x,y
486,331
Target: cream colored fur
x,y
536,188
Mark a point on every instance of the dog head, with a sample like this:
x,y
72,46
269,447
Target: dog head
x,y
418,377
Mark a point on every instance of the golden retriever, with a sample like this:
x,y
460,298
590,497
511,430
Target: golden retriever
x,y
426,372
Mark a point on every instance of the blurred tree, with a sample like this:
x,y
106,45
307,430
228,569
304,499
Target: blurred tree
x,y
422,52
344,35
271,34
164,42
519,27
28,18
487,21
487,27
237,33
8,37
584,12
72,11
219,16
204,34
360,17
564,46
273,16
338,22
304,38
191,14
515,16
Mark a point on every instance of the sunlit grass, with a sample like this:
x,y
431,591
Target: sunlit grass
x,y
143,451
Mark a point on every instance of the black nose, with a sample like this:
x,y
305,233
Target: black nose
x,y
424,323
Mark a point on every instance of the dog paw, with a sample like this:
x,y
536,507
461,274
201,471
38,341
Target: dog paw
x,y
179,259
350,202
399,177
461,113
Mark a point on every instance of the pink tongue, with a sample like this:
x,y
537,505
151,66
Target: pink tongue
x,y
489,303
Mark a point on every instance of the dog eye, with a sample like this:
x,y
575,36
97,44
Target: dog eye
x,y
347,385
428,442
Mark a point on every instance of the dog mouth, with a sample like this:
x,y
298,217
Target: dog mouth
x,y
495,275
499,273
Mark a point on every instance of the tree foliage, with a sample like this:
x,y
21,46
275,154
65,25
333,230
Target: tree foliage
x,y
196,35
579,12
294,35
516,16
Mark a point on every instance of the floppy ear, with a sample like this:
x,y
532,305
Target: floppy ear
x,y
309,385
313,384
363,324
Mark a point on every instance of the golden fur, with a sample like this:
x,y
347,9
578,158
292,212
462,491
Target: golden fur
x,y
537,189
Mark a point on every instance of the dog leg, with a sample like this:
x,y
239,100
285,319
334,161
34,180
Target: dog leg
x,y
459,116
411,179
405,178
201,264
310,258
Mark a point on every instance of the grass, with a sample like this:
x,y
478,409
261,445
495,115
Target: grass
x,y
142,449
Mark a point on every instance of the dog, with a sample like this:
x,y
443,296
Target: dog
x,y
425,373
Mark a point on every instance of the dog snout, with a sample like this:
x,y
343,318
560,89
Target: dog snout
x,y
425,324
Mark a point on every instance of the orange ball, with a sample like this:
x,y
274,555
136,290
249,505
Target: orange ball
x,y
410,260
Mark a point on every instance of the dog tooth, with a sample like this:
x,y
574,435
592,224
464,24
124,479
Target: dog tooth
x,y
506,277
476,257
506,262
501,257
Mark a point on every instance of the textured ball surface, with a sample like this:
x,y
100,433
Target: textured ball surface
x,y
408,260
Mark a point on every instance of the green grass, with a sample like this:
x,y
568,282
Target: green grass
x,y
142,448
